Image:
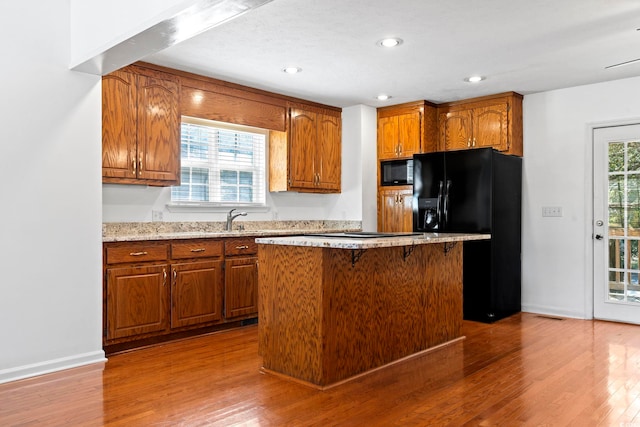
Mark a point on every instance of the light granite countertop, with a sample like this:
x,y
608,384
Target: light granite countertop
x,y
144,231
400,239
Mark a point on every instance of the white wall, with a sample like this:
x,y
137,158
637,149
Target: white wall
x,y
133,203
50,223
98,25
556,252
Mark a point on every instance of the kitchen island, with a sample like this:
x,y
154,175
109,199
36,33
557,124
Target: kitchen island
x,y
335,307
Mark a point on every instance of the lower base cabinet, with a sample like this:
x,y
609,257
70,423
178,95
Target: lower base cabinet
x,y
395,211
241,278
137,301
196,296
167,288
241,287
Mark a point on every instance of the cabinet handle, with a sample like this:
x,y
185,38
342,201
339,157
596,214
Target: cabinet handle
x,y
399,150
133,166
139,253
474,141
175,275
164,277
140,164
468,142
198,250
242,247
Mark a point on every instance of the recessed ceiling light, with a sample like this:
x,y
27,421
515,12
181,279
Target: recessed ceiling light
x,y
383,97
390,42
292,70
474,79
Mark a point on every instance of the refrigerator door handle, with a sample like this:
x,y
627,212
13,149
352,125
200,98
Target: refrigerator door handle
x,y
446,202
438,211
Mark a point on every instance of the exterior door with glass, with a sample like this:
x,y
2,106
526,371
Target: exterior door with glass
x,y
616,223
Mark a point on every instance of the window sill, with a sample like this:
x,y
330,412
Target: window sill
x,y
214,207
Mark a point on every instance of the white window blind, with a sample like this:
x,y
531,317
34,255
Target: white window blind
x,y
221,164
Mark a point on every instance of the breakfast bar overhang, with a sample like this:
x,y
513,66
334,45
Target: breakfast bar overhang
x,y
333,308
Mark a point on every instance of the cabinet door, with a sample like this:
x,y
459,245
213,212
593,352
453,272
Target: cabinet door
x,y
455,130
409,140
241,287
158,129
405,209
137,300
302,149
119,125
395,213
328,155
388,137
490,126
196,293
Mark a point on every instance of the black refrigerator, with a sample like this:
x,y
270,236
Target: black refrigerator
x,y
476,191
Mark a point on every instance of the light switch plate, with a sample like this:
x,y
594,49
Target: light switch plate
x,y
551,211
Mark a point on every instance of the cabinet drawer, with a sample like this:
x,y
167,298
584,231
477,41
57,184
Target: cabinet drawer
x,y
136,253
244,246
196,249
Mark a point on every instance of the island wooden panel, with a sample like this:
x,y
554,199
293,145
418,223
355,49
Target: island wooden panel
x,y
323,320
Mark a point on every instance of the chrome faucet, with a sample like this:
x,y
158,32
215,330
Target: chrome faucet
x,y
231,217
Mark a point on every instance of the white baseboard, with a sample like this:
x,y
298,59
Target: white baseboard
x,y
552,311
49,366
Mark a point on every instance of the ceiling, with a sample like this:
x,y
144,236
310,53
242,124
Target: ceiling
x,y
525,46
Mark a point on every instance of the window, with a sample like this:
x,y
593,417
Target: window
x,y
221,164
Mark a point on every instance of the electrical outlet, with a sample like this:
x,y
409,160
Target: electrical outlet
x,y
551,211
156,216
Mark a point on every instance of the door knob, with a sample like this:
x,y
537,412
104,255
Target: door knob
x,y
599,237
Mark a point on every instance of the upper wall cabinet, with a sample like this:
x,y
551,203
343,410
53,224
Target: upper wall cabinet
x,y
140,127
492,121
307,157
406,129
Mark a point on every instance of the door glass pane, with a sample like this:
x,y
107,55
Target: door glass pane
x,y
616,157
633,151
624,221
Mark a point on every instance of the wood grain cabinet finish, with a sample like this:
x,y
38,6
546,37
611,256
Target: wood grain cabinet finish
x,y
395,209
241,278
157,290
140,127
406,129
196,293
137,301
492,121
307,157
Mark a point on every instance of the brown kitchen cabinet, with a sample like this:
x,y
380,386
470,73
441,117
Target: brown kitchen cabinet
x,y
157,288
395,212
136,301
196,282
493,121
136,290
140,127
406,129
307,157
241,278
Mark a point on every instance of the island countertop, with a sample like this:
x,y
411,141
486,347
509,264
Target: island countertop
x,y
339,241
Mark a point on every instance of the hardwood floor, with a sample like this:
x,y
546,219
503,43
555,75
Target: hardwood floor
x,y
525,370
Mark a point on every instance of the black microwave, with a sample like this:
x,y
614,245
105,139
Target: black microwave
x,y
396,172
